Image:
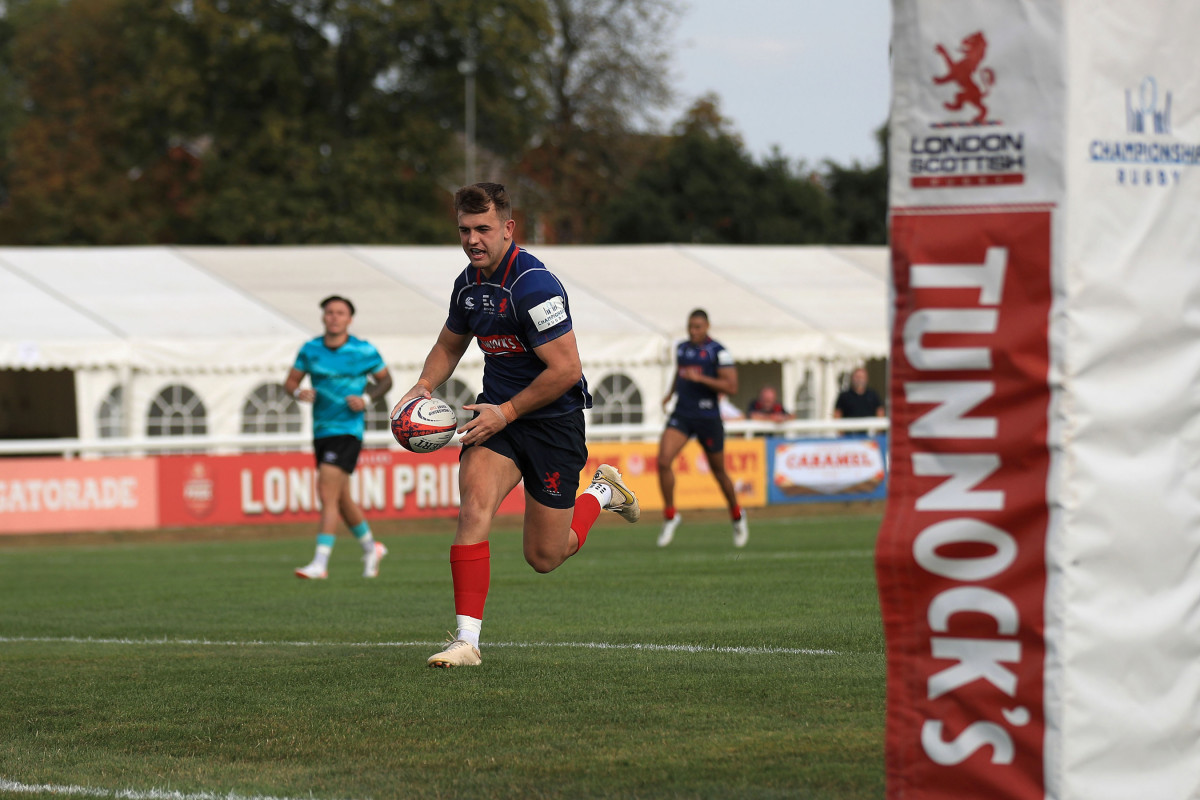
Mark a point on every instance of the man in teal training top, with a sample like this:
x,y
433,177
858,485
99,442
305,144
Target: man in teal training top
x,y
339,365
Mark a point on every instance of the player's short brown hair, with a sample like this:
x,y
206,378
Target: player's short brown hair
x,y
699,312
340,299
479,197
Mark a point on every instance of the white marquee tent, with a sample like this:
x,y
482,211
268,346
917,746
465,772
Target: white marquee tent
x,y
226,321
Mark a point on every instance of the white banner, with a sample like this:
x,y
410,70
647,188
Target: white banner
x,y
845,466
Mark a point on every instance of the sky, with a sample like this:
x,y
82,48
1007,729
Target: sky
x,y
810,76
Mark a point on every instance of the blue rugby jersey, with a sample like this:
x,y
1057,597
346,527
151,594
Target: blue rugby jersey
x,y
695,399
337,374
522,306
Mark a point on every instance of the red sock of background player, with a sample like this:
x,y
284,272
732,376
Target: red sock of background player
x,y
735,513
587,509
669,513
471,571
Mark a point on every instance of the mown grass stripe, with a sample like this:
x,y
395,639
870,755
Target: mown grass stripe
x,y
13,787
666,648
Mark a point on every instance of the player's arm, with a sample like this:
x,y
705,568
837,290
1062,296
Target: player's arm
x,y
381,386
439,365
563,370
291,385
671,388
726,381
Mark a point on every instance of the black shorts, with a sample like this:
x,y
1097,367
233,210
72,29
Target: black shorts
x,y
341,451
550,452
709,431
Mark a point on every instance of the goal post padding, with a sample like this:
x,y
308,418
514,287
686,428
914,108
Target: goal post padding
x,y
1039,561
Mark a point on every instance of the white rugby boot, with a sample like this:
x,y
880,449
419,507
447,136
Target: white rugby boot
x,y
314,572
668,530
623,501
458,653
371,560
741,531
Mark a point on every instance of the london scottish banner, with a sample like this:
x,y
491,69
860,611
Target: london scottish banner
x,y
976,190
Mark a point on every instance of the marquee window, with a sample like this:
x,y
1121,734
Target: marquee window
x,y
456,394
805,406
108,419
616,400
270,409
378,416
177,411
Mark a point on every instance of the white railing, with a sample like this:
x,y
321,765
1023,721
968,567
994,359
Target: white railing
x,y
144,445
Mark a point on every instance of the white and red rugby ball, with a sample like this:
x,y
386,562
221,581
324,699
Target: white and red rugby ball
x,y
424,424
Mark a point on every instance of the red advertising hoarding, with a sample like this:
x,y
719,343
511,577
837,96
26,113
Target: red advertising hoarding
x,y
281,487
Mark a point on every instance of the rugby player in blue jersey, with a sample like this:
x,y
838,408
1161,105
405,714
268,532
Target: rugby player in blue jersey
x,y
704,370
339,365
528,421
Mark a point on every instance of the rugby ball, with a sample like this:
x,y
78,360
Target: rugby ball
x,y
424,424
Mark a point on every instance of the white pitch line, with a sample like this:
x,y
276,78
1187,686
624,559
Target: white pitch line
x,y
665,648
128,794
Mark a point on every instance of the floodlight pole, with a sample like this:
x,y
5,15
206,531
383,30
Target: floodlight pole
x,y
467,67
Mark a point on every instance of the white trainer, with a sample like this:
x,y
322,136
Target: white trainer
x,y
623,501
371,560
668,530
312,572
458,653
741,531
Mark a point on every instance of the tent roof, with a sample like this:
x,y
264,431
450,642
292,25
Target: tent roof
x,y
236,308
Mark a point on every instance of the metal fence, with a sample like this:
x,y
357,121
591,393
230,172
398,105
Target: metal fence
x,y
216,445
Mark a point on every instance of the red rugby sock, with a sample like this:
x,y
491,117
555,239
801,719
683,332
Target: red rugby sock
x,y
471,571
669,512
587,509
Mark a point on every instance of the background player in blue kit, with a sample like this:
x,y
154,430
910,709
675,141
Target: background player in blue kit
x,y
704,370
528,422
339,365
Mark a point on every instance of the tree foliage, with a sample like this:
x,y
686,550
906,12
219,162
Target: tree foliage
x,y
603,73
306,121
265,121
699,185
860,199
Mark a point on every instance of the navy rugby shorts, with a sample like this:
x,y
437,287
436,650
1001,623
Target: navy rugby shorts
x,y
341,451
709,431
549,451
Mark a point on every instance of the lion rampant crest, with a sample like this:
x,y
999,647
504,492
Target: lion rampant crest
x,y
973,83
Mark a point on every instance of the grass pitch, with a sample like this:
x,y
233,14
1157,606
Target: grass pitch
x,y
204,667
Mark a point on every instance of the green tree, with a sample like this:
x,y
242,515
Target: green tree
x,y
68,167
699,185
265,122
603,74
860,198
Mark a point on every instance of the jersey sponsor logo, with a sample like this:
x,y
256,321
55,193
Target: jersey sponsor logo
x,y
548,314
725,359
500,345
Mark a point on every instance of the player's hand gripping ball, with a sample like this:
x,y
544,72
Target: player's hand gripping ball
x,y
424,424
